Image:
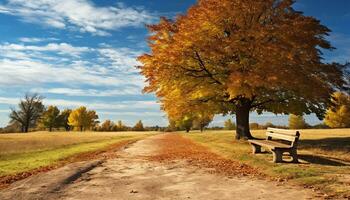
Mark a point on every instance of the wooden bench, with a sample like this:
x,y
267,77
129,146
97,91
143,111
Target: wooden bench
x,y
278,141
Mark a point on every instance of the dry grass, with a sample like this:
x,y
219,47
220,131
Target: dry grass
x,y
324,156
20,153
41,141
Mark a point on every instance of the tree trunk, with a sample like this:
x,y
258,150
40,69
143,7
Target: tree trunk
x,y
81,128
50,129
26,128
242,121
202,129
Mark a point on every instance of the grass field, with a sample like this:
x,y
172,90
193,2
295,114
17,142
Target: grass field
x,y
24,152
324,156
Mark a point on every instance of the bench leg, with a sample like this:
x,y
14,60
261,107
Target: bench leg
x,y
294,155
277,156
256,148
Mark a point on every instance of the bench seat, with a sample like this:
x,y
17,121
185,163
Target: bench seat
x,y
270,144
287,142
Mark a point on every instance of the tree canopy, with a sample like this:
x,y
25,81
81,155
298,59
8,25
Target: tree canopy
x,y
64,119
202,120
229,125
296,122
82,118
51,118
234,57
30,110
185,123
338,114
120,126
138,126
107,125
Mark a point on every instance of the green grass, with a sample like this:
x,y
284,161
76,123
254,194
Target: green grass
x,y
25,152
324,156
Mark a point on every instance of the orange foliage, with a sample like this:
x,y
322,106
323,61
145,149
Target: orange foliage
x,y
238,56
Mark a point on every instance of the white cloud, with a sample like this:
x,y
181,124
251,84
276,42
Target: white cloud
x,y
126,90
23,65
81,14
30,40
133,114
116,57
35,39
24,72
63,103
60,48
8,100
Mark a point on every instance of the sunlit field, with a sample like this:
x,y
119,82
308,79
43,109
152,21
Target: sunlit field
x,y
23,152
324,157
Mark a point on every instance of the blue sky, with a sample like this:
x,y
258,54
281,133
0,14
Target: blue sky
x,y
82,52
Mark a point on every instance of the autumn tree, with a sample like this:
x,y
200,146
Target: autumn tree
x,y
234,57
13,127
107,125
64,115
120,126
338,114
202,120
138,126
254,126
229,125
185,122
51,118
172,125
30,110
82,118
269,125
296,122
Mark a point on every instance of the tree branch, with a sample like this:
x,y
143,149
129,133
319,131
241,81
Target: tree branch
x,y
202,65
261,103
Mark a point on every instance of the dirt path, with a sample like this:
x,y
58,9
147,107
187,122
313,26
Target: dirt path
x,y
133,176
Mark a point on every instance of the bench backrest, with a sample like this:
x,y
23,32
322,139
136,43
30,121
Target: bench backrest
x,y
291,136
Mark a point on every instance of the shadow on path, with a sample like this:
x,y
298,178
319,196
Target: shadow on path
x,y
338,144
313,159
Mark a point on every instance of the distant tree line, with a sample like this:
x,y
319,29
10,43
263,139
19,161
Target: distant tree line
x,y
188,122
32,115
109,125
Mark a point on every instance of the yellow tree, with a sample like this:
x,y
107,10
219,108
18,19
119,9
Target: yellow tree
x,y
202,120
82,118
185,123
139,126
64,119
338,114
296,122
229,125
120,126
51,118
107,125
234,57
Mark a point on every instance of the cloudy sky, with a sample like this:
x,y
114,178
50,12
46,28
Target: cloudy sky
x,y
82,52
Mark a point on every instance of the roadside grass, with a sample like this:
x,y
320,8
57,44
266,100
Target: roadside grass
x,y
24,152
324,156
